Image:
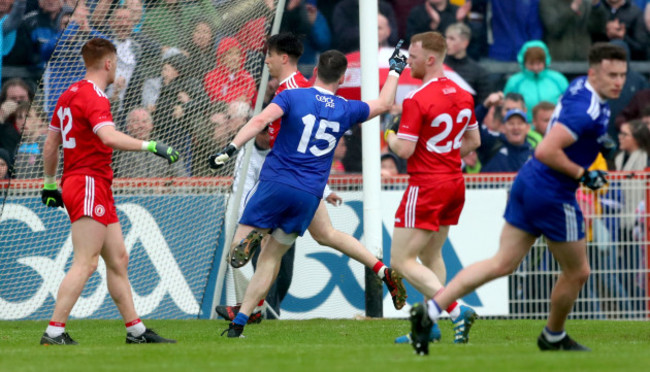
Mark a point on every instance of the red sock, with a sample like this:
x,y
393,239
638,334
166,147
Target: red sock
x,y
132,323
451,307
57,324
378,266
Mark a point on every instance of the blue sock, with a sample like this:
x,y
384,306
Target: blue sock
x,y
241,319
553,336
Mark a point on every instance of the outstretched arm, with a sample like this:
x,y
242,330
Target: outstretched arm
x,y
121,141
257,123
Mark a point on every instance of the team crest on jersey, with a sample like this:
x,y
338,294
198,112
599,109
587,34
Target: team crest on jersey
x,y
576,88
99,210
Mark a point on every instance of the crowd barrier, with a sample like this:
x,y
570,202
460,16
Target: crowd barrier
x,y
173,231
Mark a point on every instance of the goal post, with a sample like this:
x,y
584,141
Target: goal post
x,y
372,223
233,208
187,75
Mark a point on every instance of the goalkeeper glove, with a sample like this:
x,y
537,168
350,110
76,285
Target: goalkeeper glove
x,y
397,61
607,146
593,179
51,196
392,127
164,151
219,159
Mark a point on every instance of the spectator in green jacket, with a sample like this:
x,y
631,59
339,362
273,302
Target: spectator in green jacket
x,y
536,82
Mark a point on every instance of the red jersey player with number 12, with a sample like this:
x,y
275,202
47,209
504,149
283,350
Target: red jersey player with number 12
x,y
83,124
438,127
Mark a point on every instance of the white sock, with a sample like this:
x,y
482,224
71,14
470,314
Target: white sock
x,y
55,330
553,336
455,313
136,327
434,310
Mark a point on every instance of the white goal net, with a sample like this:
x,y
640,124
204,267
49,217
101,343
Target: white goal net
x,y
188,74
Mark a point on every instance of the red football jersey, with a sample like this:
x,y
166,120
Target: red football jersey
x,y
79,113
436,116
296,80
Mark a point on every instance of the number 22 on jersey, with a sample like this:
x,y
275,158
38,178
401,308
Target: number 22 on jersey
x,y
65,120
441,143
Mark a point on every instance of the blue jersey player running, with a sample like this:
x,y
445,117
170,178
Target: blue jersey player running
x,y
542,202
296,170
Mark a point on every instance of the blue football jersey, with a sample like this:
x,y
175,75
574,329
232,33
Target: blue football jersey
x,y
313,122
585,115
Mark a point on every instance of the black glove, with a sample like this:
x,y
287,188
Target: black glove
x,y
164,151
607,146
594,179
217,160
397,61
392,126
51,196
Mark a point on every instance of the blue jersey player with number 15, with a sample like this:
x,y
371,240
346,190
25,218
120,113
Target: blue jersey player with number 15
x,y
542,201
296,170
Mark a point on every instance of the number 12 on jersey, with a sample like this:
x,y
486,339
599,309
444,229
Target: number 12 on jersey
x,y
309,121
65,120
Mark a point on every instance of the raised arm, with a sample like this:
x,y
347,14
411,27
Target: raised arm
x,y
386,98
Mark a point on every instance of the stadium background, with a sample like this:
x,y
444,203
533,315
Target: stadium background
x,y
174,218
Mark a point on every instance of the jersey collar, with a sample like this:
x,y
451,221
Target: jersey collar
x,y
95,85
593,91
322,90
289,78
440,78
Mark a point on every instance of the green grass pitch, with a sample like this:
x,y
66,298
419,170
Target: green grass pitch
x,y
322,345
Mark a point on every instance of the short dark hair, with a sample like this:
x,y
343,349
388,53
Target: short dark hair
x,y
514,96
95,50
285,43
602,51
331,66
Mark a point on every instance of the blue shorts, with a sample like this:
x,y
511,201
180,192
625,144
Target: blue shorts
x,y
538,213
274,205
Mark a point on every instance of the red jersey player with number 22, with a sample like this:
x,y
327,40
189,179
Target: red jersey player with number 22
x,y
437,129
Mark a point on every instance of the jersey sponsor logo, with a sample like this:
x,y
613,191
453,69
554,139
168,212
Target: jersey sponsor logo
x,y
144,230
448,90
329,101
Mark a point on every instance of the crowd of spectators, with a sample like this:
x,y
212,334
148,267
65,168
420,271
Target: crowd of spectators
x,y
187,70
